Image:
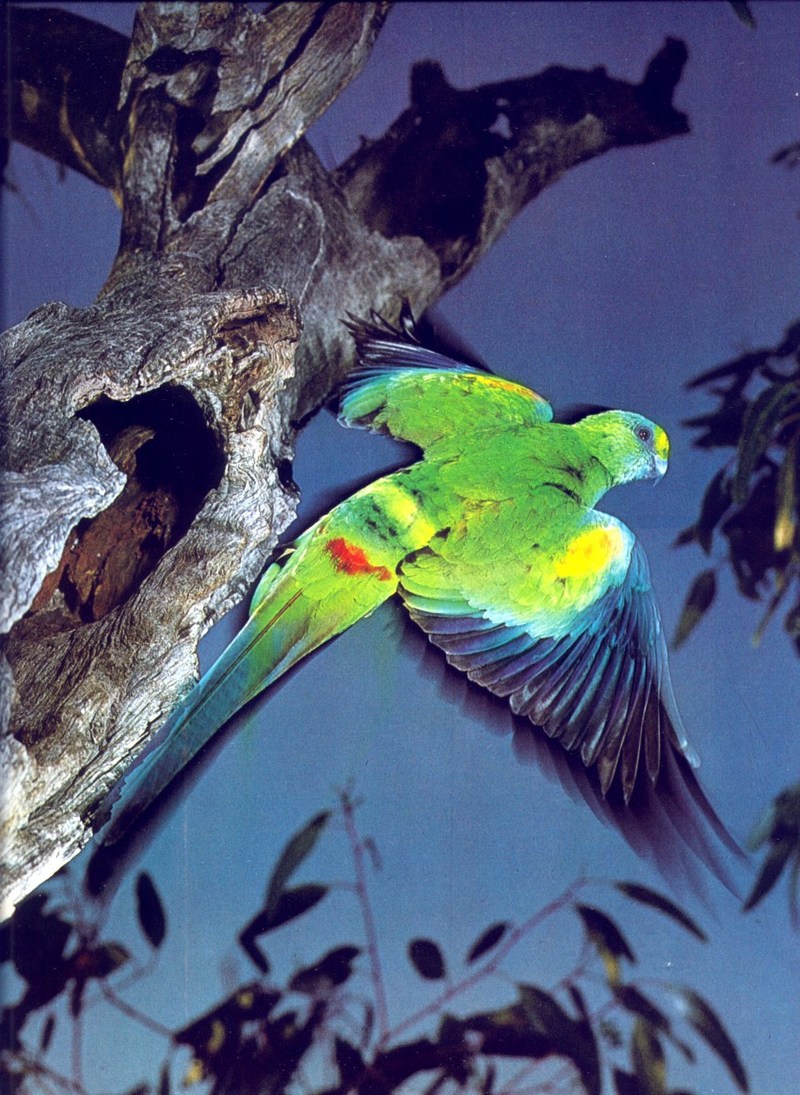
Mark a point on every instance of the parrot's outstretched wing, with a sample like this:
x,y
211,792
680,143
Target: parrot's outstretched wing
x,y
601,688
422,396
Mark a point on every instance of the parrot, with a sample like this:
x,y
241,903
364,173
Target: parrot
x,y
493,542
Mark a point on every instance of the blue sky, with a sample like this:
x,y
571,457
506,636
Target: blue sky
x,y
628,276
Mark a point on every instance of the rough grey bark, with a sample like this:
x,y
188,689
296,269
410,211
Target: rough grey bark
x,y
147,438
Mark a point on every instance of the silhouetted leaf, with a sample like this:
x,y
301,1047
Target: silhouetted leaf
x,y
76,997
427,959
743,13
488,1082
568,1037
789,155
627,1084
487,940
723,428
634,1001
296,901
780,826
750,540
768,874
576,996
47,1033
780,821
685,536
758,432
716,501
350,1064
100,962
792,621
150,911
296,850
217,1029
247,941
705,1021
604,933
450,1031
698,600
645,896
545,1014
164,1086
647,1057
787,501
289,905
36,940
333,969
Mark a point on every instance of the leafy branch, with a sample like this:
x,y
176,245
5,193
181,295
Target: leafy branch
x,y
753,502
596,1027
778,830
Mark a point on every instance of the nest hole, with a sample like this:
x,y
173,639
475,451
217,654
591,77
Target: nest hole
x,y
172,460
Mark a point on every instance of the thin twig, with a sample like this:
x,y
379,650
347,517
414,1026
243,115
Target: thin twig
x,y
370,930
133,1013
35,1067
77,1046
492,964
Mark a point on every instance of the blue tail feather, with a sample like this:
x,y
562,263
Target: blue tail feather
x,y
260,653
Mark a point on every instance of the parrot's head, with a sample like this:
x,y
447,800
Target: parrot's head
x,y
628,445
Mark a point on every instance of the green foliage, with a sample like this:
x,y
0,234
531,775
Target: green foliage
x,y
150,911
427,959
779,831
596,1027
743,13
299,848
486,941
663,904
752,504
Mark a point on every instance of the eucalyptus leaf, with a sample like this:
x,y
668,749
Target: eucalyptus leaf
x,y
647,1057
150,911
787,500
604,933
487,940
297,849
758,432
769,873
698,600
655,900
701,1016
427,959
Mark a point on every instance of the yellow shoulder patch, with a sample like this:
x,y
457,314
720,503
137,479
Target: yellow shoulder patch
x,y
591,552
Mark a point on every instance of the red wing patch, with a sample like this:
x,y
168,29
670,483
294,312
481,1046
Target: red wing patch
x,y
351,559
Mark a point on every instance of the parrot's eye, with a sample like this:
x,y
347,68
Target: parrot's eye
x,y
645,434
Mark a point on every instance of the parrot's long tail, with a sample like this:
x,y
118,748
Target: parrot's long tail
x,y
284,627
272,640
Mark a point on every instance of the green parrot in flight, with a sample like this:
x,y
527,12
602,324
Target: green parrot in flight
x,y
493,542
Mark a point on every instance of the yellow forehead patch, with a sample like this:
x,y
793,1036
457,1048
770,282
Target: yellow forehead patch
x,y
590,553
661,443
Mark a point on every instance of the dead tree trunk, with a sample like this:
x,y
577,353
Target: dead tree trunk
x,y
146,437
